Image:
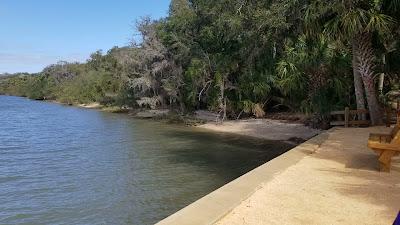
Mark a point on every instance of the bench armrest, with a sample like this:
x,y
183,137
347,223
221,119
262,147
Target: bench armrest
x,y
387,138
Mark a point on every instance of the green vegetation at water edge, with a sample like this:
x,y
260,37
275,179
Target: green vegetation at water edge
x,y
239,58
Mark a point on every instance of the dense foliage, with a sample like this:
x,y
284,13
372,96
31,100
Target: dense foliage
x,y
239,57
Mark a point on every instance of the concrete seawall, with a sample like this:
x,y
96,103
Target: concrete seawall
x,y
212,207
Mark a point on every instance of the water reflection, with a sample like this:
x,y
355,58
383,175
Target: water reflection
x,y
64,165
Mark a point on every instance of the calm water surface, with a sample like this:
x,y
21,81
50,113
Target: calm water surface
x,y
65,165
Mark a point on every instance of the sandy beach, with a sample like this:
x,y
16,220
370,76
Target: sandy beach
x,y
94,105
264,128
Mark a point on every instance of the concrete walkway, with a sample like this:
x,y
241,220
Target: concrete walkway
x,y
338,184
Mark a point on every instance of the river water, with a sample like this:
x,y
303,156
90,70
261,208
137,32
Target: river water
x,y
66,165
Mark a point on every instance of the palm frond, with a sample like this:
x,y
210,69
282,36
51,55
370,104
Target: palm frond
x,y
394,4
354,21
380,22
333,29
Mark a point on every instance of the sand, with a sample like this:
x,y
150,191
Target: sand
x,y
338,184
264,128
94,105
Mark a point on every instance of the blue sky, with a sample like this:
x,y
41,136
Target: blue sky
x,y
36,33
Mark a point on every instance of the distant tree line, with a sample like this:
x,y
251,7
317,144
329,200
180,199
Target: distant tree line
x,y
240,57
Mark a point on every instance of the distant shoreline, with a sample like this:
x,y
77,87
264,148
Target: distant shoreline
x,y
268,129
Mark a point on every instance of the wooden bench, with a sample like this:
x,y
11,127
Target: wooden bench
x,y
348,117
386,146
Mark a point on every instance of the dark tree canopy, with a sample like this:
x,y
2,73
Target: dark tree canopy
x,y
239,58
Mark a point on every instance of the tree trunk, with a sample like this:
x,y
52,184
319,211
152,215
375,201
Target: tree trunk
x,y
222,99
358,83
366,66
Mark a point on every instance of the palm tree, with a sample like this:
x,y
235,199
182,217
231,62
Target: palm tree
x,y
307,69
357,22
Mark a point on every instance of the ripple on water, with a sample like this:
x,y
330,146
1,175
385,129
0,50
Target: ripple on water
x,y
65,165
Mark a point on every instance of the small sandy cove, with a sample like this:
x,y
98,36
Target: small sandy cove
x,y
264,128
93,105
338,184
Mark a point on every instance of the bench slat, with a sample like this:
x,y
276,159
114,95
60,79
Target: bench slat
x,y
359,111
337,123
359,122
337,113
